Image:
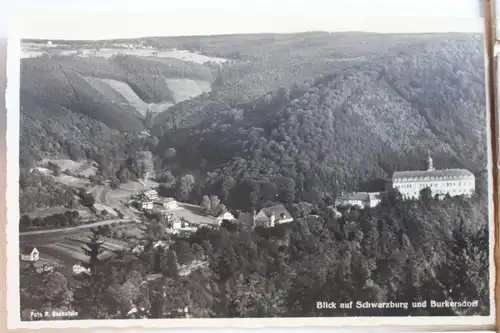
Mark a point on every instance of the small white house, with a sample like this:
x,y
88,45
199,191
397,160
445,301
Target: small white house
x,y
79,269
30,254
177,224
170,203
225,216
147,204
138,249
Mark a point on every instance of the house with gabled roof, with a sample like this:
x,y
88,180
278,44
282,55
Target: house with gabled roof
x,y
268,217
273,215
30,253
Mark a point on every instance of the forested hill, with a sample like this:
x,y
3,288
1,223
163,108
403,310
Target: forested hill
x,y
338,131
352,107
116,91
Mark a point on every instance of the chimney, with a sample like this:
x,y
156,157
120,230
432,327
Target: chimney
x,y
272,218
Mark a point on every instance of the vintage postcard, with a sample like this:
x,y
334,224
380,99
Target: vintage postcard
x,y
251,165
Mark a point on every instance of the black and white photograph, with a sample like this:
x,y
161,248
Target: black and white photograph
x,y
256,160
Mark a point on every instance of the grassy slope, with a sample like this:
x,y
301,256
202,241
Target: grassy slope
x,y
70,82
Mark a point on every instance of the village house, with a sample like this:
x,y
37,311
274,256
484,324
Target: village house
x,y
37,266
225,216
359,199
138,249
147,204
273,215
151,195
80,269
44,268
169,203
267,217
30,253
174,221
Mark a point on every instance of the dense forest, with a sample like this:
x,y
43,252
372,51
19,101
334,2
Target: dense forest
x,y
293,119
340,130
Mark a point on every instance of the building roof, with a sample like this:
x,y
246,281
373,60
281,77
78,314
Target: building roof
x,y
445,174
28,249
362,196
376,195
277,210
150,193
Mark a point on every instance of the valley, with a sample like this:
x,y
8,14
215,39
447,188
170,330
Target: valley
x,y
214,169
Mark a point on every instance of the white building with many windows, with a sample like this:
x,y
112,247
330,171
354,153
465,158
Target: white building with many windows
x,y
441,182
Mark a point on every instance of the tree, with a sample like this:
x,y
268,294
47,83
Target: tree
x,y
167,179
185,186
206,204
55,292
144,163
124,174
464,274
426,195
91,290
26,222
87,199
214,205
171,270
227,185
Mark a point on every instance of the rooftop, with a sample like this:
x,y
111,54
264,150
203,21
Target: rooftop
x,y
362,196
28,250
432,174
277,210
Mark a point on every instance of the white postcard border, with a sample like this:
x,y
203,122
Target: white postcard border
x,y
12,232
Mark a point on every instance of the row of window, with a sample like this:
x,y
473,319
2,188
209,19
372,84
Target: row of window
x,y
436,185
452,192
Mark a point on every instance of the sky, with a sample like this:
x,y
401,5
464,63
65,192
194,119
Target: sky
x,y
99,19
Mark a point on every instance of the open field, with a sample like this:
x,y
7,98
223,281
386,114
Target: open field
x,y
65,179
135,101
44,212
63,231
193,214
68,249
81,168
30,50
113,94
100,207
76,242
184,89
133,231
65,253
